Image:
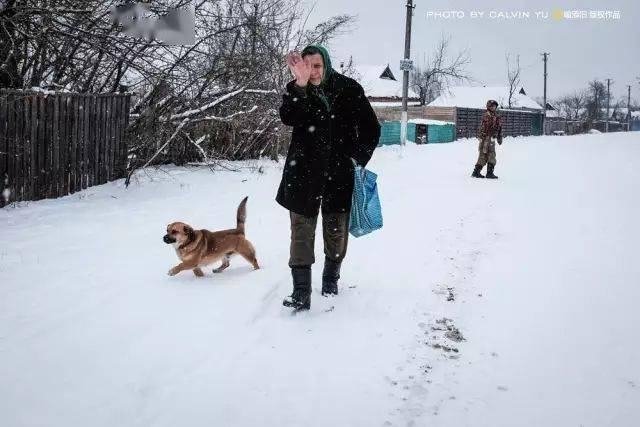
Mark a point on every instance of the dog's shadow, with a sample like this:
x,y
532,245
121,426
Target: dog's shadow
x,y
226,277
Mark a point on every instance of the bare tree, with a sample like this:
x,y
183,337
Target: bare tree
x,y
9,76
349,69
439,71
513,77
70,45
572,106
211,101
596,97
227,107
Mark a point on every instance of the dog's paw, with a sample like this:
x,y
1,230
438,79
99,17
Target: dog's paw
x,y
172,272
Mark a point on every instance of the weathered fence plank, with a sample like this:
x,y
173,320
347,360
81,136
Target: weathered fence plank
x,y
103,140
33,175
56,175
114,138
93,159
26,159
125,125
4,149
83,143
107,140
19,139
11,147
109,137
73,145
64,143
48,146
41,177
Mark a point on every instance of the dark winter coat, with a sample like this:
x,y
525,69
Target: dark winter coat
x,y
318,169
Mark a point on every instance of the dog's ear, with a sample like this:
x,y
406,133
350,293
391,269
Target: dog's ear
x,y
188,231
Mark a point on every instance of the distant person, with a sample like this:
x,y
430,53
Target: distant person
x,y
490,127
333,123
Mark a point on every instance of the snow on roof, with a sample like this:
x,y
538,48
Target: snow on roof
x,y
603,111
375,87
430,122
477,97
619,111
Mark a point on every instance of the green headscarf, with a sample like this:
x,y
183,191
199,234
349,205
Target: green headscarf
x,y
319,90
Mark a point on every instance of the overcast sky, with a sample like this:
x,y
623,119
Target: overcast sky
x,y
580,49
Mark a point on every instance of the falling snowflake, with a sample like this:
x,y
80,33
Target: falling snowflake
x,y
312,129
292,163
333,116
295,99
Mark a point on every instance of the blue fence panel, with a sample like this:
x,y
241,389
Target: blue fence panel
x,y
440,133
389,133
411,132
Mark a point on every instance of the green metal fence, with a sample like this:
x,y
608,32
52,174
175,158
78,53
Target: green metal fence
x,y
389,133
441,133
436,133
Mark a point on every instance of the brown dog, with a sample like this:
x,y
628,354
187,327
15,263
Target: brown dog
x,y
200,248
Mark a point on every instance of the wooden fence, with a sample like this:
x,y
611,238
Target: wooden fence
x,y
54,144
514,123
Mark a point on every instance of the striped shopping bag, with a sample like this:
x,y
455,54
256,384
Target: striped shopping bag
x,y
366,212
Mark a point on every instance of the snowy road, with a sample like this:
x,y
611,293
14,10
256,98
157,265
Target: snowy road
x,y
538,272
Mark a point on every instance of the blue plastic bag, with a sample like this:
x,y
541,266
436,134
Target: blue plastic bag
x,y
366,212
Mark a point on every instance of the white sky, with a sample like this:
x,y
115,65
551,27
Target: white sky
x,y
580,50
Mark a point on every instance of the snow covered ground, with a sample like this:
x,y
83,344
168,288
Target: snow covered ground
x,y
538,272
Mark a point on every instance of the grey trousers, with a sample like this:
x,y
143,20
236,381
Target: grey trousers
x,y
335,232
487,152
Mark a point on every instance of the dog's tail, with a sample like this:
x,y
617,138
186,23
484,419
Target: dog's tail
x,y
242,215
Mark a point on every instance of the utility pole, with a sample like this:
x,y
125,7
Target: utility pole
x,y
405,66
628,108
606,129
544,107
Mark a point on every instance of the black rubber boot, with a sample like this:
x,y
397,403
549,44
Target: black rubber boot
x,y
490,174
330,276
300,299
476,172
